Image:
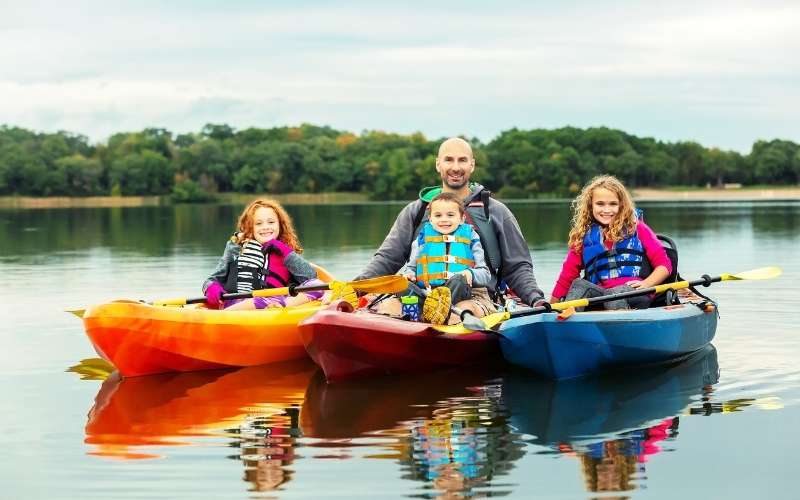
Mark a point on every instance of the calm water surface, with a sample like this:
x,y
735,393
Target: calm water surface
x,y
723,423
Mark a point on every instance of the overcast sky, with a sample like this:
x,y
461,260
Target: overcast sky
x,y
722,73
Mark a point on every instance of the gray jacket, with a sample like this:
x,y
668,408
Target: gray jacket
x,y
516,267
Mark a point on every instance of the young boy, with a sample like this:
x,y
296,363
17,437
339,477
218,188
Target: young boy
x,y
447,257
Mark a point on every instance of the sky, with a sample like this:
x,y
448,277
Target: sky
x,y
722,73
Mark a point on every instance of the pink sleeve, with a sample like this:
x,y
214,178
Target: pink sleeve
x,y
570,270
652,247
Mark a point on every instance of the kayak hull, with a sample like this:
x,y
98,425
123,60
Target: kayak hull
x,y
348,345
591,342
141,339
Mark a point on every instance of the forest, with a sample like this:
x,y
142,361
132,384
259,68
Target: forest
x,y
536,163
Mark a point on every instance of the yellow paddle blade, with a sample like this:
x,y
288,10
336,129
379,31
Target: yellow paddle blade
x,y
381,284
762,273
489,320
77,312
92,369
343,291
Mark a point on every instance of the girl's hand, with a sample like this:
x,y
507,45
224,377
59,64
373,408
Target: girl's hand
x,y
276,246
273,305
468,275
636,284
410,277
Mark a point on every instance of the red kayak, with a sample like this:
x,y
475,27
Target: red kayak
x,y
348,344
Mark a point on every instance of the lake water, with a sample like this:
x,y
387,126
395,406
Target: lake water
x,y
723,423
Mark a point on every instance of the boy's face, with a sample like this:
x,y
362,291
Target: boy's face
x,y
445,216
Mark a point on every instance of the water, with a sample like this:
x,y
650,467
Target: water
x,y
721,423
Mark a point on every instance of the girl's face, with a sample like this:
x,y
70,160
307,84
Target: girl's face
x,y
605,206
266,225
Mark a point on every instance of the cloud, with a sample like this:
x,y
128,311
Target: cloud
x,y
442,68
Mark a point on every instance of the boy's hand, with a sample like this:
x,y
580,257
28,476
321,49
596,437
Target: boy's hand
x,y
410,277
468,275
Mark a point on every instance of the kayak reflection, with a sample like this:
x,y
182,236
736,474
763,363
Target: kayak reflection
x,y
448,429
136,418
611,423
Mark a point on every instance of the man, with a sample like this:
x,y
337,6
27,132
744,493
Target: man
x,y
507,252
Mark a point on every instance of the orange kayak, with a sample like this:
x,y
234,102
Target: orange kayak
x,y
142,339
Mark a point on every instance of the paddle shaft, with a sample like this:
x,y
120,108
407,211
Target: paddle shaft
x,y
386,284
560,306
266,292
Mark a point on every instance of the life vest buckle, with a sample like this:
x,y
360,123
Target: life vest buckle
x,y
450,259
448,238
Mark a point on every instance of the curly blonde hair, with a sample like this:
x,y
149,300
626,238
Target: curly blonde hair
x,y
247,220
623,225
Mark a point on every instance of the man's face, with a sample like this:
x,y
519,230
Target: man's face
x,y
455,164
445,216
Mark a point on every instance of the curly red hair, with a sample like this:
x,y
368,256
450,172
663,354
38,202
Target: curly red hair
x,y
287,234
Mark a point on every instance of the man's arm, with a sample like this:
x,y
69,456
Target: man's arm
x,y
517,264
394,250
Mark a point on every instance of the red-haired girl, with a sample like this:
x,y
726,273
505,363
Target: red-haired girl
x,y
264,253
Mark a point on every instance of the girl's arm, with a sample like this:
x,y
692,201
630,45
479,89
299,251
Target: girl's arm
x,y
570,269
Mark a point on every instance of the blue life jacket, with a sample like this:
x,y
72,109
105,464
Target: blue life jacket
x,y
624,259
443,255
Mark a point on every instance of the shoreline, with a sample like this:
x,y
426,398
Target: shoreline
x,y
788,193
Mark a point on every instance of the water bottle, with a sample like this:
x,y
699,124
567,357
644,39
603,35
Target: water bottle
x,y
410,307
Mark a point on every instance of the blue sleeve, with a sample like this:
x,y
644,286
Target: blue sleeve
x,y
481,275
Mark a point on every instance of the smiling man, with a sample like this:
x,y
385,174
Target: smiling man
x,y
507,253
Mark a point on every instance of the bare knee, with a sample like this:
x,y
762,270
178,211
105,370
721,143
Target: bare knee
x,y
390,306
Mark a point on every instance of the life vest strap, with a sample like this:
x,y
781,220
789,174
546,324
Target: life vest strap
x,y
447,259
612,252
427,278
447,238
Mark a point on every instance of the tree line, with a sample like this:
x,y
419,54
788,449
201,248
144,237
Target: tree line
x,y
312,159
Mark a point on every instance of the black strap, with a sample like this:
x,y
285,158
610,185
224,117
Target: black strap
x,y
613,251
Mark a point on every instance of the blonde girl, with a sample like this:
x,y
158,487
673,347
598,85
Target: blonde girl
x,y
263,253
609,242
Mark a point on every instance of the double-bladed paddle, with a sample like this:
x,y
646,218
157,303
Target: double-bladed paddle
x,y
492,320
381,284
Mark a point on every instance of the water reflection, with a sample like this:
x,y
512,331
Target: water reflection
x,y
450,430
135,418
267,446
613,423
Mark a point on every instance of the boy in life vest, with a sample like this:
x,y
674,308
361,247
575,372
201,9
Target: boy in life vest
x,y
609,242
447,257
265,253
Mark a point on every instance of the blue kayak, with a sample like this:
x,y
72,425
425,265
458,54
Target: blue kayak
x,y
597,341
